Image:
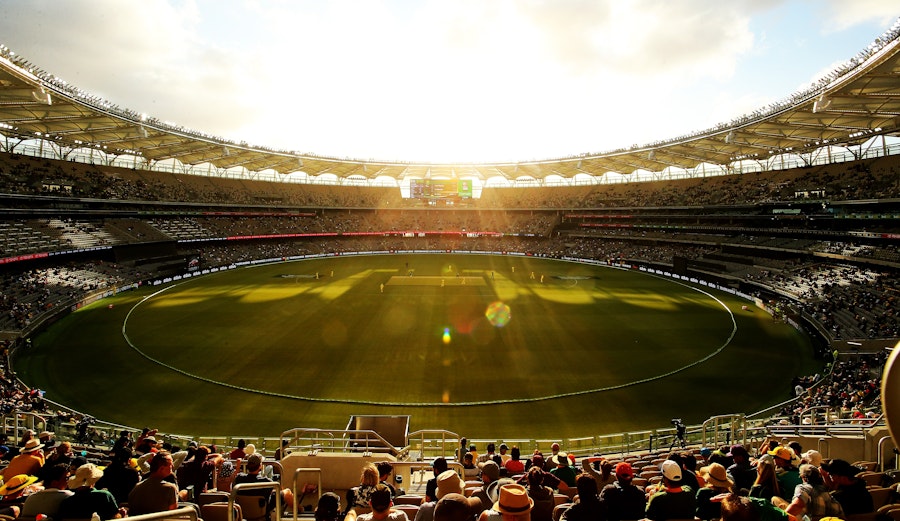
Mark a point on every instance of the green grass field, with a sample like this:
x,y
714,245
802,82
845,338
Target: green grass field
x,y
259,350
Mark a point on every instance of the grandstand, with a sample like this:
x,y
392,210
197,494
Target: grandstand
x,y
799,217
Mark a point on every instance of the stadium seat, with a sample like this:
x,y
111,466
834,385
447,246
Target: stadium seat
x,y
871,478
410,510
868,465
212,497
409,499
559,509
891,510
881,496
219,512
254,507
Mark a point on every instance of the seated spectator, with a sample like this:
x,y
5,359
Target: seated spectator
x,y
13,491
490,473
847,489
359,497
86,500
196,473
438,466
155,493
457,507
380,502
513,504
542,495
328,508
605,476
28,462
47,501
623,499
447,483
766,484
119,477
786,471
715,482
238,452
672,500
563,470
741,472
254,475
738,508
513,465
588,507
385,470
469,468
811,497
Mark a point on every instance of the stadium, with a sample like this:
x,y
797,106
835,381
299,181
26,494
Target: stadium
x,y
159,276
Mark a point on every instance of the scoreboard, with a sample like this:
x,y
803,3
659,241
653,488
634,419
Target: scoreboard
x,y
440,188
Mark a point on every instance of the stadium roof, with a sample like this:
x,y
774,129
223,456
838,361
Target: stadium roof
x,y
848,107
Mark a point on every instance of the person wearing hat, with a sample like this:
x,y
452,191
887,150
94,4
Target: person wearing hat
x,y
490,473
788,474
28,462
623,499
12,492
672,500
588,507
741,472
85,499
811,497
46,437
716,482
813,457
448,482
564,470
457,507
504,457
548,460
512,504
47,501
847,489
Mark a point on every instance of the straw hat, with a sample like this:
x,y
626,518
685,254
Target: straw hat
x,y
31,445
86,475
16,484
513,500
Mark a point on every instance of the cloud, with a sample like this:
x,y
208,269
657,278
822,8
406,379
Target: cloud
x,y
839,18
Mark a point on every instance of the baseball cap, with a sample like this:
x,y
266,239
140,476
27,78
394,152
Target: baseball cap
x,y
671,470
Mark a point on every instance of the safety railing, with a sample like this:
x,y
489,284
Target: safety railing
x,y
235,492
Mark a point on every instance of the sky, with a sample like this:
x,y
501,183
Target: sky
x,y
442,80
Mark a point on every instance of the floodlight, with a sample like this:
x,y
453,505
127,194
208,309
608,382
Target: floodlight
x,y
822,103
41,96
729,138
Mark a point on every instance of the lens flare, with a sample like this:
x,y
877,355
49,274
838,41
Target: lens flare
x,y
446,336
498,314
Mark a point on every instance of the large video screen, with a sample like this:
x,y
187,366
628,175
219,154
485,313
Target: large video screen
x,y
440,188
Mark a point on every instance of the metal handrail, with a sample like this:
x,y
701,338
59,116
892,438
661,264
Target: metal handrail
x,y
294,481
178,513
275,485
